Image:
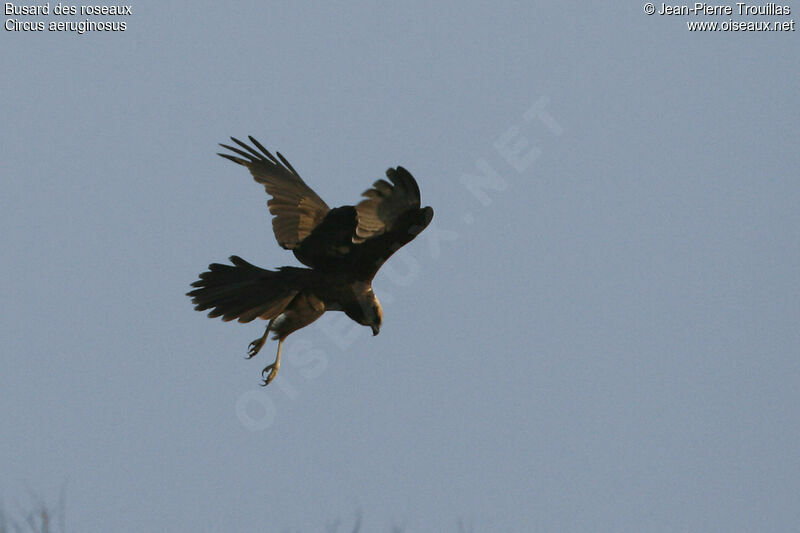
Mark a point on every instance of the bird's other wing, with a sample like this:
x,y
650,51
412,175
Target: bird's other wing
x,y
297,209
384,203
388,218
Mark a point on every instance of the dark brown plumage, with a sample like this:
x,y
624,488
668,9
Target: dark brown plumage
x,y
343,247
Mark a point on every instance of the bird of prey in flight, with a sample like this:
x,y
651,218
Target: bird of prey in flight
x,y
343,247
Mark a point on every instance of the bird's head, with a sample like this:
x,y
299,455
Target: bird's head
x,y
369,311
374,314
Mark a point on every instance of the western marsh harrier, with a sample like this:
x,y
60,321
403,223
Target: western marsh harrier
x,y
343,247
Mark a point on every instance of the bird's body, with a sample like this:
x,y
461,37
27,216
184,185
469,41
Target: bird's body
x,y
343,249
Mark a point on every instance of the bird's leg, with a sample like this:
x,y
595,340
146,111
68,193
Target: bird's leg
x,y
271,371
256,345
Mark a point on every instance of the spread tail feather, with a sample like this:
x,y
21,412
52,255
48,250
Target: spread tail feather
x,y
245,291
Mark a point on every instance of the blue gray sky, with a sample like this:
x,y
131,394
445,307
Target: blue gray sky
x,y
599,330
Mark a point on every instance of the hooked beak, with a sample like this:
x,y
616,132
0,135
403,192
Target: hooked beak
x,y
375,330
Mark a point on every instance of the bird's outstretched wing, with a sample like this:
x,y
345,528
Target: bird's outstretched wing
x,y
296,207
385,202
358,240
388,218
